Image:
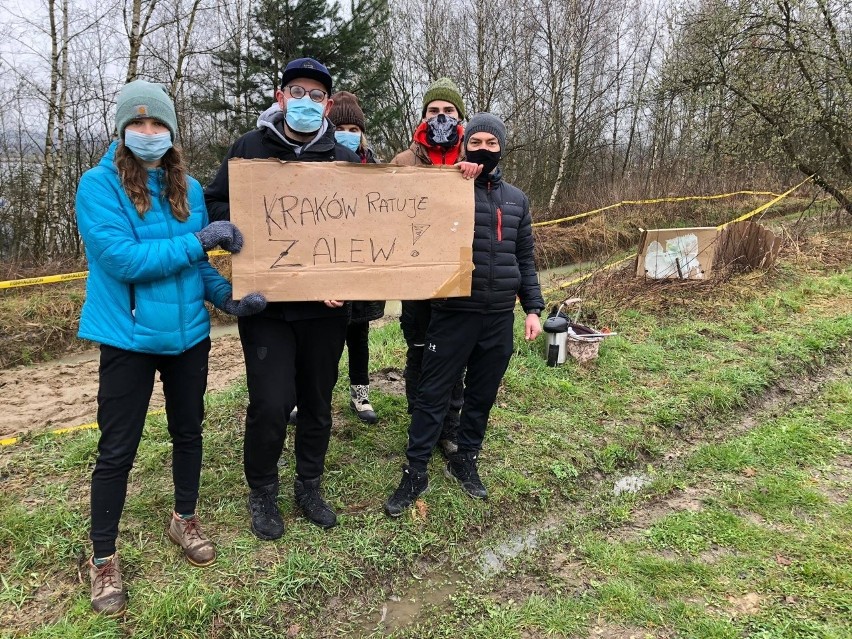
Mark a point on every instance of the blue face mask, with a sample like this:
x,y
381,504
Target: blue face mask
x,y
304,115
348,139
148,148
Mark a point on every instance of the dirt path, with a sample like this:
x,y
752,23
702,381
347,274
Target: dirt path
x,y
63,393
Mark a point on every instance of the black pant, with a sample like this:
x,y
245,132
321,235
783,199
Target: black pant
x,y
481,342
285,360
357,342
414,322
126,381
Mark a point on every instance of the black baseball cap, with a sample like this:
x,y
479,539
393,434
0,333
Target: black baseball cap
x,y
306,68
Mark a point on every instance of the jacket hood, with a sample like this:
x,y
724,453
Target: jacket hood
x,y
273,120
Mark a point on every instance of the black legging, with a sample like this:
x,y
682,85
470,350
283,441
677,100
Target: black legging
x,y
126,382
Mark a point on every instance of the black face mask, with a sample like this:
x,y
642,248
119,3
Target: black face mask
x,y
488,159
442,131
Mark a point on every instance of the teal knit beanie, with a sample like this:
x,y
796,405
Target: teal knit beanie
x,y
141,99
443,89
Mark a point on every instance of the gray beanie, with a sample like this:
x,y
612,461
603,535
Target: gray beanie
x,y
141,99
487,123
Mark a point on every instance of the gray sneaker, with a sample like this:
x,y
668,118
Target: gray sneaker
x,y
359,402
108,596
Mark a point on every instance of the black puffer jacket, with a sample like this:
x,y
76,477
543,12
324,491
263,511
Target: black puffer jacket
x,y
502,252
267,141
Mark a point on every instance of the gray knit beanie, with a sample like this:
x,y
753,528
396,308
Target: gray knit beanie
x,y
141,99
487,123
443,89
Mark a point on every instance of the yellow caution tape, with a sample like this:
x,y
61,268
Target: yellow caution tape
x,y
80,275
659,200
582,278
47,279
10,441
52,279
763,207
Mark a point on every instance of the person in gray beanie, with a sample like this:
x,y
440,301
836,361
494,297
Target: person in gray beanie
x,y
474,332
146,233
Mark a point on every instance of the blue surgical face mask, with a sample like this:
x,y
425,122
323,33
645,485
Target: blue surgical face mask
x,y
148,148
304,115
348,139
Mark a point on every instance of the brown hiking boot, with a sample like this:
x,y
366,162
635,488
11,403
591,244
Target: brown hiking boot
x,y
187,533
108,596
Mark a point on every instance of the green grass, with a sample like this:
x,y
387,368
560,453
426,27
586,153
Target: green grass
x,y
765,555
674,377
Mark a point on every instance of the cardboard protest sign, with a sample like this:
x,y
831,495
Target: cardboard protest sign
x,y
677,253
336,230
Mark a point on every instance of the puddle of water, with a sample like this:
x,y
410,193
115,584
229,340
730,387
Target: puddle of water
x,y
401,611
436,589
631,484
493,560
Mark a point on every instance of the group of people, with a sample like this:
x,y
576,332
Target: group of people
x,y
147,227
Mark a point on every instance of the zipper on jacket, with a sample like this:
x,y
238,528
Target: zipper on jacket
x,y
499,224
178,280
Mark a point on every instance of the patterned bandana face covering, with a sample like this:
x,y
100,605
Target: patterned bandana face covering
x,y
304,115
442,131
148,148
348,139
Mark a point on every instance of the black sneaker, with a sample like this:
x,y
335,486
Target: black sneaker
x,y
314,507
413,484
462,467
266,522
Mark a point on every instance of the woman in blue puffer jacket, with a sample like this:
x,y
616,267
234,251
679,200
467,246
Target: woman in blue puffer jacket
x,y
144,225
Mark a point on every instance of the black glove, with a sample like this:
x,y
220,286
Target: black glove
x,y
251,304
222,234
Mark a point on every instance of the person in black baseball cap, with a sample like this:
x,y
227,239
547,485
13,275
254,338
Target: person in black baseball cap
x,y
295,128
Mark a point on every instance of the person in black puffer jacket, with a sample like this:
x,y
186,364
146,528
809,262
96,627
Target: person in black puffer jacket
x,y
475,331
290,346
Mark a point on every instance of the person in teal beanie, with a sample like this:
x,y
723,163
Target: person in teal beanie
x,y
146,233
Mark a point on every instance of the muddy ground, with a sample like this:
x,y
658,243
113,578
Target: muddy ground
x,y
63,393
